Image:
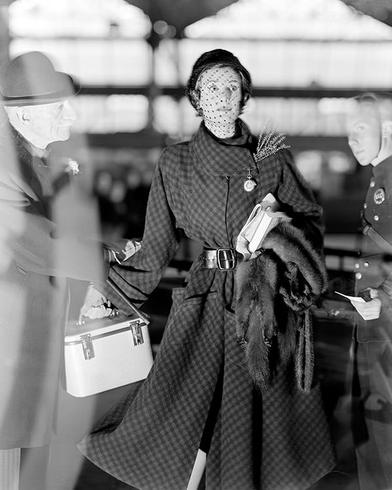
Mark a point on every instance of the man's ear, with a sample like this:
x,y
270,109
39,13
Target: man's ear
x,y
386,129
386,143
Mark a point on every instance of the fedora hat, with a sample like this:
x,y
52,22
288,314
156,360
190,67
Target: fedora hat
x,y
31,79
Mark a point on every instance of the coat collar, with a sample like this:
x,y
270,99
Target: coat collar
x,y
27,154
224,157
31,169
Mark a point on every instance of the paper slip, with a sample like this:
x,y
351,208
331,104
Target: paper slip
x,y
358,299
264,216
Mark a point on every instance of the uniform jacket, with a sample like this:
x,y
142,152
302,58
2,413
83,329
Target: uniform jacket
x,y
275,440
372,379
34,265
374,269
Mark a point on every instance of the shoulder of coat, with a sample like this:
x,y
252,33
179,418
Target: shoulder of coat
x,y
282,157
176,155
10,159
275,161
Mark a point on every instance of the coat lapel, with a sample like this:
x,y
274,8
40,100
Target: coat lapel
x,y
32,175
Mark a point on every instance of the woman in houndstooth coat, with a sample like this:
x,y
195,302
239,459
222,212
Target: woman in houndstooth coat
x,y
199,393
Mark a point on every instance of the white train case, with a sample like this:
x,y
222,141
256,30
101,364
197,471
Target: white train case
x,y
106,353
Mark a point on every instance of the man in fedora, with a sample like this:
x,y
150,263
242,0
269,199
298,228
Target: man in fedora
x,y
37,257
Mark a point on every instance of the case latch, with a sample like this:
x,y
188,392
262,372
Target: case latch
x,y
87,345
137,333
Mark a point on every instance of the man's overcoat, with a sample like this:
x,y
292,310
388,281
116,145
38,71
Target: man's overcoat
x,y
36,258
278,440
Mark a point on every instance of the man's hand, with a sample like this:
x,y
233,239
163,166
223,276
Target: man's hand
x,y
95,305
369,310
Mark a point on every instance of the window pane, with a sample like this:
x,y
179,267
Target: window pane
x,y
96,62
116,113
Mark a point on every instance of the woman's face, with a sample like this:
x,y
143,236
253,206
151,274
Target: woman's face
x,y
220,92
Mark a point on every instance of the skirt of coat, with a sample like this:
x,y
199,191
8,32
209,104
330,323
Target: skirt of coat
x,y
274,441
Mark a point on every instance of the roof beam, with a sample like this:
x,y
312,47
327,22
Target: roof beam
x,y
177,92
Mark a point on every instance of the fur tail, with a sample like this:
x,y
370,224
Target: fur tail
x,y
256,323
288,274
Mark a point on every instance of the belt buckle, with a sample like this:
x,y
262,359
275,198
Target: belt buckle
x,y
226,259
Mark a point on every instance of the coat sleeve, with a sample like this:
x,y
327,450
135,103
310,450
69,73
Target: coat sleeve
x,y
295,193
140,274
33,241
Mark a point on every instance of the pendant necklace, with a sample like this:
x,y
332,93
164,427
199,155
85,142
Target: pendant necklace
x,y
249,183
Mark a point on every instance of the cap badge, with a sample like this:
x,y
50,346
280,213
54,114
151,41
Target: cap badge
x,y
379,196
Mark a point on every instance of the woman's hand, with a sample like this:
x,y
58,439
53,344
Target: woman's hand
x,y
131,247
123,250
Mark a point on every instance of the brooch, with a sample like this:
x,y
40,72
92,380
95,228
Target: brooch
x,y
269,143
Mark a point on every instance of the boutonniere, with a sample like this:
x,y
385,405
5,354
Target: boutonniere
x,y
270,142
72,167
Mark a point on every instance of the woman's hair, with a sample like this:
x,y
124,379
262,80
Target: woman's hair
x,y
221,58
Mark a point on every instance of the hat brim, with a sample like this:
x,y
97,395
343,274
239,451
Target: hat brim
x,y
69,87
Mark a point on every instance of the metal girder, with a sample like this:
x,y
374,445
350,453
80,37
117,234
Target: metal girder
x,y
379,9
180,13
285,92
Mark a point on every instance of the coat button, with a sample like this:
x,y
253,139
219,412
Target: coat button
x,y
358,276
376,217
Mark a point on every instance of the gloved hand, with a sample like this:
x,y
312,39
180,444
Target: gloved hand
x,y
124,249
131,247
95,305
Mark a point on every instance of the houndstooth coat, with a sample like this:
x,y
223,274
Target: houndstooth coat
x,y
275,441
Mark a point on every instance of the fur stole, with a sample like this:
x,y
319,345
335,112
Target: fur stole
x,y
274,292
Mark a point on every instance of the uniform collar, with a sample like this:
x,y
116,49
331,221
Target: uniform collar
x,y
383,168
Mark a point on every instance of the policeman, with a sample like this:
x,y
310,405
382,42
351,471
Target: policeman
x,y
370,139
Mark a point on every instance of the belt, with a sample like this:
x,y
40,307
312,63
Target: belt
x,y
224,259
